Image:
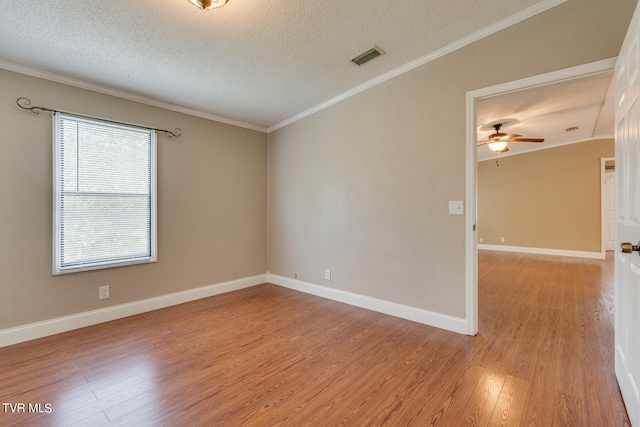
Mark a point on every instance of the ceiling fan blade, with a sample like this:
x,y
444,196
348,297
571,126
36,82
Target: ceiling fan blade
x,y
514,135
526,139
482,143
504,150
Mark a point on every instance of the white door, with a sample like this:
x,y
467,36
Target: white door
x,y
627,266
610,210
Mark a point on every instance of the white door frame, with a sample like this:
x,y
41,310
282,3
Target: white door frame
x,y
603,202
471,250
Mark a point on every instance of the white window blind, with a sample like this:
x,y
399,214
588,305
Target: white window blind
x,y
104,194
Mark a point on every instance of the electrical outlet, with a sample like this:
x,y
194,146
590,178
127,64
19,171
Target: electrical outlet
x,y
482,240
103,292
502,239
327,274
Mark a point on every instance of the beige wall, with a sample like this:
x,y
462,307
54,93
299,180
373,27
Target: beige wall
x,y
212,187
363,187
546,199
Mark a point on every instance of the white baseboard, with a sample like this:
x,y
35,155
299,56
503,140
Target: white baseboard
x,y
542,251
67,323
438,320
75,321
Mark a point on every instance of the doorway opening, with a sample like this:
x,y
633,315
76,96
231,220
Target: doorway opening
x,y
473,99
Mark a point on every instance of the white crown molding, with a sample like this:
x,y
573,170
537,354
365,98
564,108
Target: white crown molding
x,y
478,35
438,320
548,147
542,251
83,84
71,81
68,323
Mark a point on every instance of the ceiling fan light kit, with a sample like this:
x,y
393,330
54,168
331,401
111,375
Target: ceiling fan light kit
x,y
208,4
498,141
498,146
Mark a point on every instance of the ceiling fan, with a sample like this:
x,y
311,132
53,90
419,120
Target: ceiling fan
x,y
498,140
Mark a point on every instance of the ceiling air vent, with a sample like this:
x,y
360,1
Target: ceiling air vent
x,y
367,56
571,129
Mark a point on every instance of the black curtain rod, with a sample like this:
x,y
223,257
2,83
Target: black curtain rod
x,y
25,103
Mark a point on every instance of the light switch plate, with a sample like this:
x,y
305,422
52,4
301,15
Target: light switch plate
x,y
456,207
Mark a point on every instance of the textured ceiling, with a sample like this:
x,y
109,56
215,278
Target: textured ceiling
x,y
252,62
547,111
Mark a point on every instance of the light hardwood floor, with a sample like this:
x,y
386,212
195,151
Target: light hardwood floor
x,y
268,356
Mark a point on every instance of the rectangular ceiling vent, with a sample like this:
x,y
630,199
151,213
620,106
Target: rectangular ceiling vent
x,y
571,129
367,56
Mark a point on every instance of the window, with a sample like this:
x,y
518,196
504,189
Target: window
x,y
104,199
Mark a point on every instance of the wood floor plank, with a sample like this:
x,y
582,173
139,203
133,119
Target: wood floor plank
x,y
408,395
528,343
355,368
569,309
267,355
567,411
508,410
484,399
569,368
539,405
96,420
451,406
597,407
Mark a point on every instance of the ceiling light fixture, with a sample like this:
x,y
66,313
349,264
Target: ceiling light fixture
x,y
208,4
497,146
